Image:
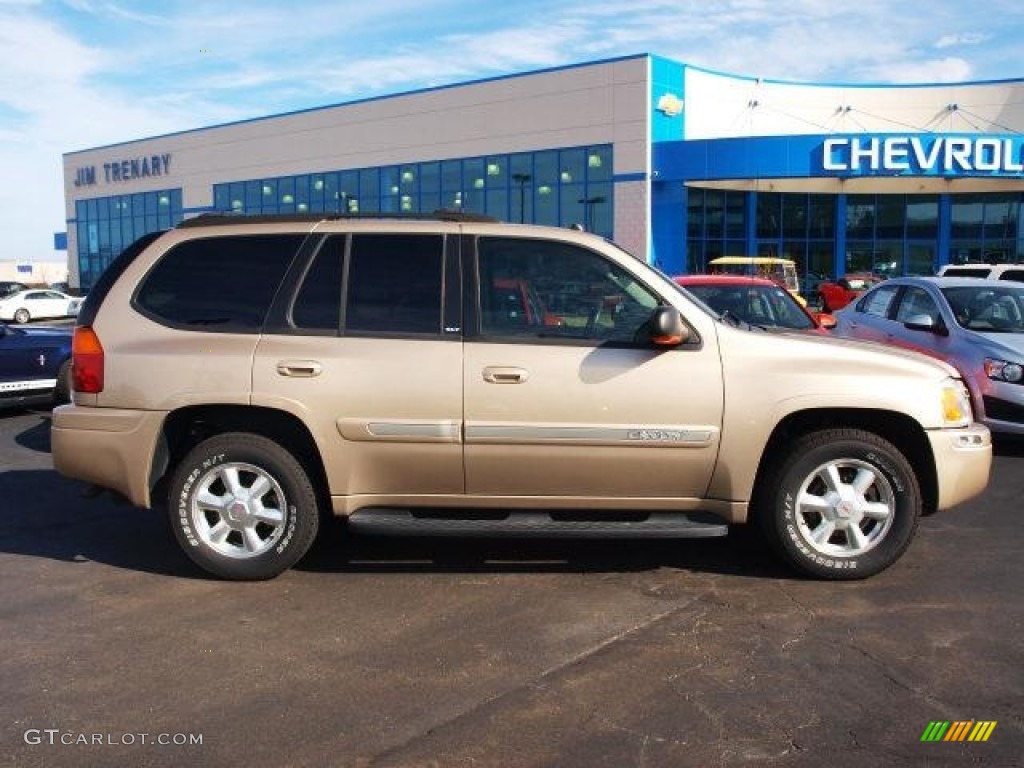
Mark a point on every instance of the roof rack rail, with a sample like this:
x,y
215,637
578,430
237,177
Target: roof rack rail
x,y
220,218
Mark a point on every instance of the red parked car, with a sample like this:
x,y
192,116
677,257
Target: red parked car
x,y
755,300
835,296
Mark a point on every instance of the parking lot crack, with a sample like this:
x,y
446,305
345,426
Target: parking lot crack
x,y
538,681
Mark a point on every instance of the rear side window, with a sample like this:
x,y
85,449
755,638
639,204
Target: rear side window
x,y
394,284
1013,274
218,283
968,272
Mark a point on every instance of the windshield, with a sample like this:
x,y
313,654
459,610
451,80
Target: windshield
x,y
987,309
768,306
779,270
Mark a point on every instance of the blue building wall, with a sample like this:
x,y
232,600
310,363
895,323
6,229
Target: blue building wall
x,y
839,157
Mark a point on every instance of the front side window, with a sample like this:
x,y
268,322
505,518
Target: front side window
x,y
551,290
218,283
878,301
394,284
917,302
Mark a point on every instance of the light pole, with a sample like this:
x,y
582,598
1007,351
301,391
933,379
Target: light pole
x,y
521,179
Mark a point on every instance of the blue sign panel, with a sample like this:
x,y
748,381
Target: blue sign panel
x,y
924,155
842,156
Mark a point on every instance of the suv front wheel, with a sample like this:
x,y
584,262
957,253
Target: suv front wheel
x,y
242,507
841,504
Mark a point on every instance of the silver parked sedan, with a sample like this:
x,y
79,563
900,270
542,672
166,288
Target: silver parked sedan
x,y
974,324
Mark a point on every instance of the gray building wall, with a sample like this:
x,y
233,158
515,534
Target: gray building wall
x,y
598,103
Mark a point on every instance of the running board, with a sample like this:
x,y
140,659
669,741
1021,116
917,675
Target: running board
x,y
656,525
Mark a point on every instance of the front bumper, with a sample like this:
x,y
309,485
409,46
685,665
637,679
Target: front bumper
x,y
963,460
108,447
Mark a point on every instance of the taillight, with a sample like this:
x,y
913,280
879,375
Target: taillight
x,y
86,361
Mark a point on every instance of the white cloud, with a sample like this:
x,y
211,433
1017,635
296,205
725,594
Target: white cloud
x,y
947,70
82,73
960,38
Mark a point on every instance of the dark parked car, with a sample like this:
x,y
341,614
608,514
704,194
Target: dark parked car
x,y
976,325
10,287
35,365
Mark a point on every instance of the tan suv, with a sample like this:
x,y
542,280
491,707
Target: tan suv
x,y
255,373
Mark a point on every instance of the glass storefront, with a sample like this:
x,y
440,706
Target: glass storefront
x,y
559,187
829,235
986,228
107,225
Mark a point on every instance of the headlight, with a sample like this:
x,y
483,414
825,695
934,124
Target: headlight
x,y
956,403
1000,370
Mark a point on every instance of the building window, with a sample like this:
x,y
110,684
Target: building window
x,y
558,187
717,221
107,225
985,228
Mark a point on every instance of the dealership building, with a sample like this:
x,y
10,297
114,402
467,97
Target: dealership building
x,y
678,164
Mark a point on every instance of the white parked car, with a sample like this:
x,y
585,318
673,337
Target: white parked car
x,y
38,304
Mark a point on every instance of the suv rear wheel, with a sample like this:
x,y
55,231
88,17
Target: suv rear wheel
x,y
242,507
841,504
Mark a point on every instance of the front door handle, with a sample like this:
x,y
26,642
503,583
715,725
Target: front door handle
x,y
299,369
496,374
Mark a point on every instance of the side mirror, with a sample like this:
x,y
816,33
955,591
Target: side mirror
x,y
926,323
667,328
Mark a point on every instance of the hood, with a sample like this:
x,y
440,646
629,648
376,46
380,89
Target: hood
x,y
1005,344
834,355
42,331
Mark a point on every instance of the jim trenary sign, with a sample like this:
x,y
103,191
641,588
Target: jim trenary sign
x,y
925,154
125,170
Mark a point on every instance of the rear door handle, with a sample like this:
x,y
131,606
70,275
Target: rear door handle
x,y
299,369
496,374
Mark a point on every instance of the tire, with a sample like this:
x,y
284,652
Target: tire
x,y
22,316
841,504
62,392
226,529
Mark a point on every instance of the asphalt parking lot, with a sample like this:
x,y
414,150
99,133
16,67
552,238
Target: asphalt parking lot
x,y
403,652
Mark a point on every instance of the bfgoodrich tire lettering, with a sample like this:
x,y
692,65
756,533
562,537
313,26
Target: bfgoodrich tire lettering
x,y
841,504
242,507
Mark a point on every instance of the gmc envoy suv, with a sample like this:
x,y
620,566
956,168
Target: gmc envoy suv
x,y
453,375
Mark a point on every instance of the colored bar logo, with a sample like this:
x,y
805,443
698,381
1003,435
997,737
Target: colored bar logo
x,y
958,730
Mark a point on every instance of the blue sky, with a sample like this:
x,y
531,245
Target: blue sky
x,y
76,74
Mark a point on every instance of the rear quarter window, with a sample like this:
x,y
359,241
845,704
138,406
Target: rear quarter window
x,y
218,283
967,272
